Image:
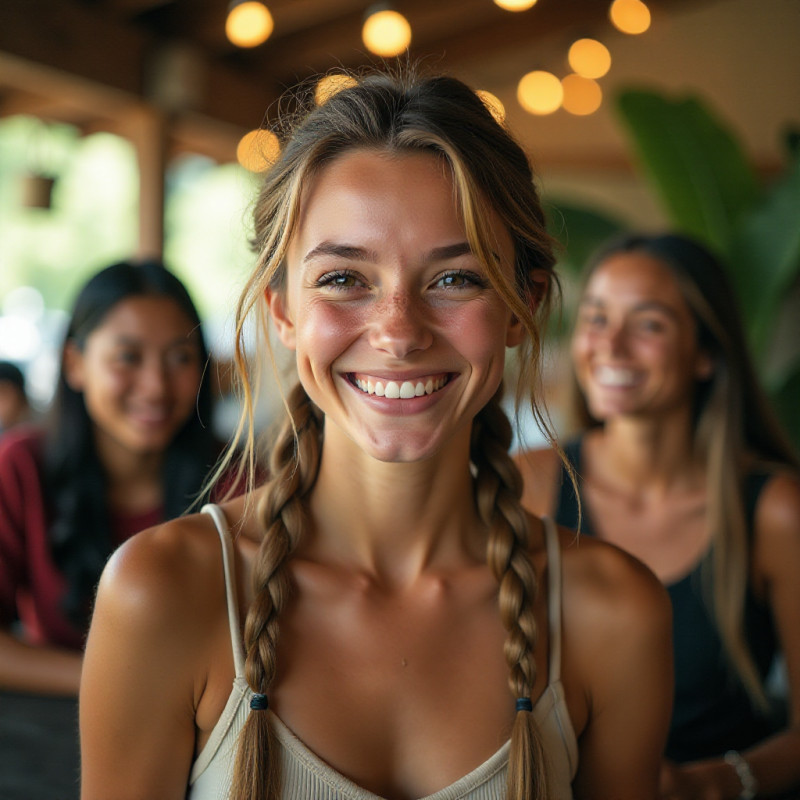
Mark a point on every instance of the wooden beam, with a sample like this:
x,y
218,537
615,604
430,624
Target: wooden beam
x,y
69,37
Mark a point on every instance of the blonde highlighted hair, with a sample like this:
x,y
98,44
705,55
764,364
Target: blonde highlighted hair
x,y
734,430
399,114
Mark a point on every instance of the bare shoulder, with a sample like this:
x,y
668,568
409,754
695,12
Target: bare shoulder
x,y
164,572
609,595
777,523
540,469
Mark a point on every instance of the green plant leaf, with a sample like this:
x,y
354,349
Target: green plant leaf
x,y
765,254
580,231
695,161
786,400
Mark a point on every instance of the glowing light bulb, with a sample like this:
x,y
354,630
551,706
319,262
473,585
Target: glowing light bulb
x,y
248,24
515,5
329,85
540,92
258,150
630,16
494,104
582,96
386,33
589,58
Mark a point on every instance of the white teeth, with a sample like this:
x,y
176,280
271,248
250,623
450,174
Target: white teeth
x,y
402,391
407,390
613,376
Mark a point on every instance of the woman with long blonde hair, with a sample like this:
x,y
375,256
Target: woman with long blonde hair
x,y
682,463
408,629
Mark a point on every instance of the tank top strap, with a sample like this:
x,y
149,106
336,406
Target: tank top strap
x,y
553,598
221,524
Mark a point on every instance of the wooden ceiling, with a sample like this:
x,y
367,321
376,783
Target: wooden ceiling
x,y
83,61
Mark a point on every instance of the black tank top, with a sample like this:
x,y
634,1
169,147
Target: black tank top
x,y
712,712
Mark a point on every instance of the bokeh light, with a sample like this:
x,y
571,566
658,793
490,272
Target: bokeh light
x,y
329,85
582,96
540,92
589,58
249,24
258,150
494,104
386,33
630,16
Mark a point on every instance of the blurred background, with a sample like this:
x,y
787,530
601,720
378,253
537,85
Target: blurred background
x,y
121,120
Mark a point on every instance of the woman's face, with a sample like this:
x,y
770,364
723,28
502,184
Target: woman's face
x,y
139,373
399,336
634,348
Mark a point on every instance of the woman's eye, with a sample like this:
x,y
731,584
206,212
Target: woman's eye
x,y
651,325
183,357
592,319
460,280
343,279
127,357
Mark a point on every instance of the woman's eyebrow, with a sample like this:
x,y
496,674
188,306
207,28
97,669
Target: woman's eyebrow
x,y
448,251
346,251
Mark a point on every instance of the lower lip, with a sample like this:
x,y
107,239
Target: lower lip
x,y
151,422
412,405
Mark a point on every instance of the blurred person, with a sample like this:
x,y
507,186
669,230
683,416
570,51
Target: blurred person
x,y
408,630
126,444
14,406
681,462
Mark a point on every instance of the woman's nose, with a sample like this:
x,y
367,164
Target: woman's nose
x,y
401,324
153,377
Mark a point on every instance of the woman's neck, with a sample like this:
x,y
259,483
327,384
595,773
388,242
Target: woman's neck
x,y
396,520
653,455
134,480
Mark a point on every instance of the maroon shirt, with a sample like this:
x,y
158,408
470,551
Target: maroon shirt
x,y
31,585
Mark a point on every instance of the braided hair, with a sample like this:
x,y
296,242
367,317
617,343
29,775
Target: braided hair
x,y
398,114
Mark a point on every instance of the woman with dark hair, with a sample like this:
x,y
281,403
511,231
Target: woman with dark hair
x,y
682,463
393,588
127,445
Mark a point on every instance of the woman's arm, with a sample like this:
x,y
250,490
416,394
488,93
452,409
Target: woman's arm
x,y
145,666
775,762
618,631
39,670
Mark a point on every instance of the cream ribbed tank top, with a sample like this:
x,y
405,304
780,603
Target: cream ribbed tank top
x,y
307,777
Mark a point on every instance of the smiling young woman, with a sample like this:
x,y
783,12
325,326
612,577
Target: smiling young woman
x,y
392,588
126,445
682,464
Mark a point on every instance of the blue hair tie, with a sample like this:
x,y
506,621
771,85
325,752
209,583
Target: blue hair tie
x,y
524,704
259,702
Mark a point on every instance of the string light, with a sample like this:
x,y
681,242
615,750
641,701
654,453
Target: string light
x,y
258,150
540,92
386,32
329,85
494,104
582,96
589,58
515,5
248,24
630,16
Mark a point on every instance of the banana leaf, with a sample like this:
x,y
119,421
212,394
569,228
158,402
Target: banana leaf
x,y
695,162
765,255
579,231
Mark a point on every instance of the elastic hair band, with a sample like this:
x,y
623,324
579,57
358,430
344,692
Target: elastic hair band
x,y
524,704
259,702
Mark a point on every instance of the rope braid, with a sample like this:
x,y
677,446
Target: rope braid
x,y
498,492
293,466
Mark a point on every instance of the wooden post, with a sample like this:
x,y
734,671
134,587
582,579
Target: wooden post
x,y
148,128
